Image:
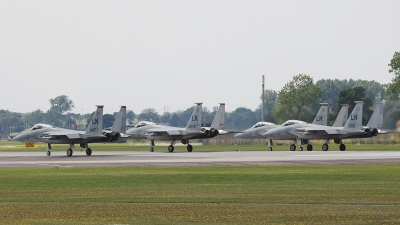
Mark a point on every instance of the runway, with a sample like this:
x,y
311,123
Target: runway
x,y
125,158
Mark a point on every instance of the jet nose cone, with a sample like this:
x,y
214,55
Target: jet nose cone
x,y
17,138
269,134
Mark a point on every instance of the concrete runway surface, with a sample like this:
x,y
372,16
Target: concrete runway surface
x,y
126,158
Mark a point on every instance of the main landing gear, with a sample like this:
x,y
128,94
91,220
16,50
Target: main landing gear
x,y
301,143
171,148
88,150
270,145
69,150
151,145
325,146
189,147
48,148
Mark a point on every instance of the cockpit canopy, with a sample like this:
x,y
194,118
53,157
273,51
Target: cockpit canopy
x,y
291,122
40,126
144,123
261,124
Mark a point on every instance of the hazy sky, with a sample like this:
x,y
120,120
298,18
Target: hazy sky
x,y
171,54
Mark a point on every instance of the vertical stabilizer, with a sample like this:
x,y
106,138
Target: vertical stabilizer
x,y
194,123
96,123
322,116
342,116
355,119
219,120
120,122
376,120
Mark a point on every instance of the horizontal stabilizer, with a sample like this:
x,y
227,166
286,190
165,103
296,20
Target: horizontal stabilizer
x,y
123,135
382,131
221,132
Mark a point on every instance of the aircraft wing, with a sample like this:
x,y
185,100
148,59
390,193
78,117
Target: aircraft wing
x,y
324,131
320,131
164,132
311,131
169,132
68,134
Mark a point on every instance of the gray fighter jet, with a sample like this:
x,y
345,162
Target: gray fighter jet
x,y
258,129
352,129
193,130
94,133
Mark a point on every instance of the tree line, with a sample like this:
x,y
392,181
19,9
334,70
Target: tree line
x,y
298,99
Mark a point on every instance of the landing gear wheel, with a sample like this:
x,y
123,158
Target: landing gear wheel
x,y
269,148
170,148
342,147
88,151
309,147
69,152
292,147
48,153
301,148
325,147
151,149
189,148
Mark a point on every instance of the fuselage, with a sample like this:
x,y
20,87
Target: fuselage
x,y
39,133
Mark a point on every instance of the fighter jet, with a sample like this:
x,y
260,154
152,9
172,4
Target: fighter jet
x,y
54,135
352,129
193,130
258,129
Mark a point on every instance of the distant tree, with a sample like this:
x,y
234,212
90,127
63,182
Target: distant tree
x,y
58,106
149,114
241,118
393,89
332,88
205,111
373,89
175,121
295,98
349,96
10,122
61,104
271,101
166,118
130,116
108,120
34,117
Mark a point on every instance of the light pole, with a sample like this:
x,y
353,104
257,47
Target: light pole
x,y
262,106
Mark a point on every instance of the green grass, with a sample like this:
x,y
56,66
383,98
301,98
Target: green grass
x,y
308,194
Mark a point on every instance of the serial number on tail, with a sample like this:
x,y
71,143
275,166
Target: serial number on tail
x,y
191,126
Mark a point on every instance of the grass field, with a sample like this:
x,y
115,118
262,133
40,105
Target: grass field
x,y
308,194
